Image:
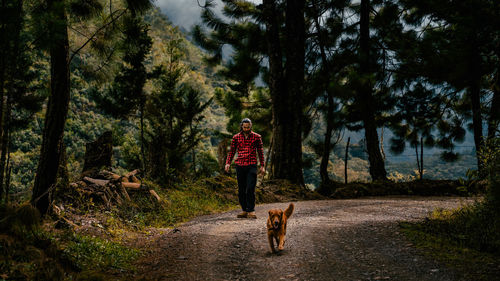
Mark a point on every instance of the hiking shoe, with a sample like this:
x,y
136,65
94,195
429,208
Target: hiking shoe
x,y
242,215
251,215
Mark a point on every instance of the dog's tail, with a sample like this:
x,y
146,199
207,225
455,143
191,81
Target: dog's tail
x,y
289,210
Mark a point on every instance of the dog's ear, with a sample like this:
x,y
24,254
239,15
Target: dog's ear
x,y
281,214
270,212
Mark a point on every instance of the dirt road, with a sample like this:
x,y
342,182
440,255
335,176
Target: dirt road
x,y
326,240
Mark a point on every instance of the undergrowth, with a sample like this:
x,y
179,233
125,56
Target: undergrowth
x,y
28,251
178,204
467,238
93,253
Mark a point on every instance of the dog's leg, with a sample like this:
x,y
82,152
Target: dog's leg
x,y
281,244
271,242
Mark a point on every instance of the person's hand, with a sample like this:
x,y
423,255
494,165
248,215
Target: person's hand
x,y
262,170
226,168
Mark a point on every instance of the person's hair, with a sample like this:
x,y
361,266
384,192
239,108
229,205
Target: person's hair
x,y
245,120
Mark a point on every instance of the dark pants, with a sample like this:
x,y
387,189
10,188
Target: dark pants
x,y
247,179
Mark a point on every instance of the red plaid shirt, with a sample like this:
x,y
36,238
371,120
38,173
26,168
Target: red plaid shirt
x,y
246,148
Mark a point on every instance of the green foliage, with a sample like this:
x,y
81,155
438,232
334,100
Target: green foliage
x,y
468,184
473,226
174,113
26,251
95,254
207,165
130,152
126,94
490,156
22,221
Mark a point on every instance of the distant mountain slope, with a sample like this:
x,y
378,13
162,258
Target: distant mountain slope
x,y
198,73
85,120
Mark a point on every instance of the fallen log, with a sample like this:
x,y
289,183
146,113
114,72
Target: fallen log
x,y
124,192
96,181
109,175
134,179
131,185
132,173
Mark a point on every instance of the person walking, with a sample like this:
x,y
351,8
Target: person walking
x,y
248,145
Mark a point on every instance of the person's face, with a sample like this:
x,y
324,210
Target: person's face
x,y
246,127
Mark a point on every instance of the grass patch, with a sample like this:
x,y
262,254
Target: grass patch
x,y
178,205
467,239
96,254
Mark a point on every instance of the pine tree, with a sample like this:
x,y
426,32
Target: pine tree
x,y
420,111
258,32
364,95
173,114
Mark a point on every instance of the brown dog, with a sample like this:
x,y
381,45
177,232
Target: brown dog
x,y
276,226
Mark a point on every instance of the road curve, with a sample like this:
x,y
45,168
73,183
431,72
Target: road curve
x,y
355,239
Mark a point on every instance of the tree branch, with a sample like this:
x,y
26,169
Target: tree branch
x,y
97,31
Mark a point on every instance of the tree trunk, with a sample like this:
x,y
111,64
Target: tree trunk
x,y
382,152
158,158
276,85
4,48
346,158
323,168
325,159
286,158
422,158
57,107
418,160
494,116
143,154
1,136
3,67
5,145
193,152
365,98
7,180
477,120
474,94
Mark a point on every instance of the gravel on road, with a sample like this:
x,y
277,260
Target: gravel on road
x,y
356,239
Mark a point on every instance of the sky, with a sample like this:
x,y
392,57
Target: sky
x,y
186,13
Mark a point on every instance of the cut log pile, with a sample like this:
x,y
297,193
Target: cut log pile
x,y
98,185
110,189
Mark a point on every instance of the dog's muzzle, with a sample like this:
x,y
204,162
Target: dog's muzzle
x,y
276,224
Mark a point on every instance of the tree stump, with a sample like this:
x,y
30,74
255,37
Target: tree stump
x,y
222,152
98,153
